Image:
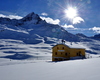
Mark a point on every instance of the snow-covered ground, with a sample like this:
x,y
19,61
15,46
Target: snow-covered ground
x,y
87,69
20,61
17,50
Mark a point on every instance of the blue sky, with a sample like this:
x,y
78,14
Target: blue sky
x,y
86,21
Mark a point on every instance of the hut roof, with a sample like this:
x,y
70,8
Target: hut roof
x,y
76,46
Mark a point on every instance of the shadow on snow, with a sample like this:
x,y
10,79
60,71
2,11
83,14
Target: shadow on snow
x,y
18,56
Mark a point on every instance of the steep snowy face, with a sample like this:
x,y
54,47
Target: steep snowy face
x,y
32,18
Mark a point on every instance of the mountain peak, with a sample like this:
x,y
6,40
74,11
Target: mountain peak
x,y
31,16
81,35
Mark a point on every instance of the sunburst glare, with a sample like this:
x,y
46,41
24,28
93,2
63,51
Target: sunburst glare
x,y
70,12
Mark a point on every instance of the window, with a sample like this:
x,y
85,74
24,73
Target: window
x,y
57,47
66,54
55,53
62,47
79,53
61,53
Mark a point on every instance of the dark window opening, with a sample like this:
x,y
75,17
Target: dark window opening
x,y
78,54
55,53
66,54
62,47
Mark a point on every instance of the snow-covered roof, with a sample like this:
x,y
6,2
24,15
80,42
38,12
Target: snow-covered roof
x,y
72,45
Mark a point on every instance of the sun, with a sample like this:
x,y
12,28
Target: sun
x,y
70,12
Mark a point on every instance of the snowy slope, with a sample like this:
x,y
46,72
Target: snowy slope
x,y
20,61
11,49
17,50
87,69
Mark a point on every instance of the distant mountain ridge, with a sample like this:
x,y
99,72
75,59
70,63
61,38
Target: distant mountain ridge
x,y
97,36
81,35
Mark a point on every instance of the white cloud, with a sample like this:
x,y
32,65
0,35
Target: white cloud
x,y
68,26
50,20
11,16
1,15
77,20
44,14
96,29
14,17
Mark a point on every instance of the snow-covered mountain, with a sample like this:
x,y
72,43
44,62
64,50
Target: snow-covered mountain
x,y
30,18
32,29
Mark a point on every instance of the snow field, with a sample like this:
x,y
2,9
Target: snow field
x,y
10,48
87,69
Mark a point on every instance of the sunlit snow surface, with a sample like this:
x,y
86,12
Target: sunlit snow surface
x,y
16,49
20,61
87,69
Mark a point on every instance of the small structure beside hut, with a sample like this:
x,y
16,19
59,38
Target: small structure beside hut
x,y
61,52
